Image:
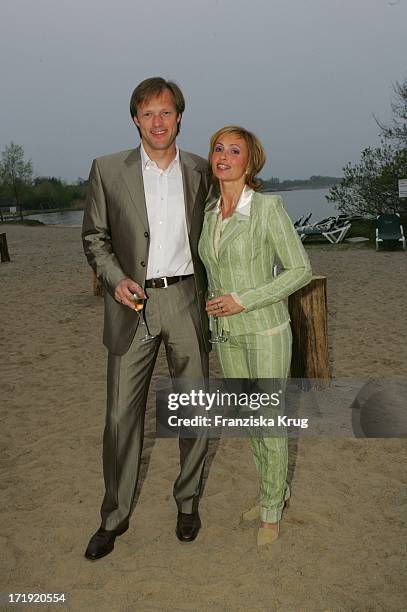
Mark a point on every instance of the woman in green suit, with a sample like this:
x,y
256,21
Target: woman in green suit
x,y
243,234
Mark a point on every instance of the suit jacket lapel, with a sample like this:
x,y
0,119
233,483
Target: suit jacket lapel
x,y
237,225
208,229
133,178
191,178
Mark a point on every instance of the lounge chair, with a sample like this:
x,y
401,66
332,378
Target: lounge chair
x,y
328,228
389,231
298,222
306,220
325,224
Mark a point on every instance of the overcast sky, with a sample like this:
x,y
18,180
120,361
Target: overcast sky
x,y
305,75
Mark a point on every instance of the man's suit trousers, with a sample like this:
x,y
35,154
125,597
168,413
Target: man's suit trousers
x,y
171,314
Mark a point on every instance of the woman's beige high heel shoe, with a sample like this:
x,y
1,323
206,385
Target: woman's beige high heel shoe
x,y
267,535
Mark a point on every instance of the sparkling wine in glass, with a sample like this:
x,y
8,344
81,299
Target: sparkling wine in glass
x,y
216,332
139,303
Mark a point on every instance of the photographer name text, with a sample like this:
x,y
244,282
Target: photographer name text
x,y
250,421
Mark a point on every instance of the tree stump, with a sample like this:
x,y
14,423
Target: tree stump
x,y
308,312
4,248
97,286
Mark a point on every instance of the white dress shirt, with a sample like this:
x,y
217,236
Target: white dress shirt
x,y
169,253
243,207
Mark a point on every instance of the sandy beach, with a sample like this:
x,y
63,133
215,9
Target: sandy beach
x,y
342,539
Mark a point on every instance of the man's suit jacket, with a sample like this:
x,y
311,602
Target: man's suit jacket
x,y
249,246
116,233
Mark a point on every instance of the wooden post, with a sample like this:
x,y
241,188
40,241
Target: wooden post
x,y
4,248
97,286
308,312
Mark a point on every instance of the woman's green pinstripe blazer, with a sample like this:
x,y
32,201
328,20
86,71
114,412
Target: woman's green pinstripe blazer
x,y
249,246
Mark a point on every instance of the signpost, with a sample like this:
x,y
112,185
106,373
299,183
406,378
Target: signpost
x,y
402,188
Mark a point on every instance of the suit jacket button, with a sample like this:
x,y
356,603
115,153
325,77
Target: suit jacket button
x,y
143,263
146,234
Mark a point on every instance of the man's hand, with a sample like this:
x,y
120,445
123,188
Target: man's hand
x,y
124,292
223,306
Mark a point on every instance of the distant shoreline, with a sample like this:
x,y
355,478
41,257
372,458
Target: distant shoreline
x,y
299,188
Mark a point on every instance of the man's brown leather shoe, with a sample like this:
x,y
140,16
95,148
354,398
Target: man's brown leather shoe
x,y
188,526
102,542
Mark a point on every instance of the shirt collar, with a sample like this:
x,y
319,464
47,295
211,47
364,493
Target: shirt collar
x,y
244,203
146,161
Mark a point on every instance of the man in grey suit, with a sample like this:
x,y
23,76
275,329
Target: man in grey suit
x,y
141,227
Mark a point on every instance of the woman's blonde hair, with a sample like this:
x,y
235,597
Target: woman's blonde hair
x,y
257,156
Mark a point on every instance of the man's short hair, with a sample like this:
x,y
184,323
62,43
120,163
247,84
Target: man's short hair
x,y
155,86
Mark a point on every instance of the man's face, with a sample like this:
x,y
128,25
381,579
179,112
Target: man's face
x,y
158,121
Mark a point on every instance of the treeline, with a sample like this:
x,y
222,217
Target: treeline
x,y
371,186
314,182
50,192
19,188
45,193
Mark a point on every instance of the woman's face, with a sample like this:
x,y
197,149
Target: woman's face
x,y
230,158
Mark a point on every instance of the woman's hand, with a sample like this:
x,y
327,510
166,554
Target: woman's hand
x,y
223,306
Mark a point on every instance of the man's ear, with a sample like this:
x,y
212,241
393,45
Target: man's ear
x,y
135,121
179,118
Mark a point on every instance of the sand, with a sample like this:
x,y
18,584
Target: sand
x,y
341,539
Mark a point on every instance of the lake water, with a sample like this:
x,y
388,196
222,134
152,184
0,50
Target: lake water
x,y
297,203
304,201
67,217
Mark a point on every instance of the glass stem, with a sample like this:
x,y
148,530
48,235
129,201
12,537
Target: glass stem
x,y
141,316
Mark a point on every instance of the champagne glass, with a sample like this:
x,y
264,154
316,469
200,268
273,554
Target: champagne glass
x,y
139,303
216,332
